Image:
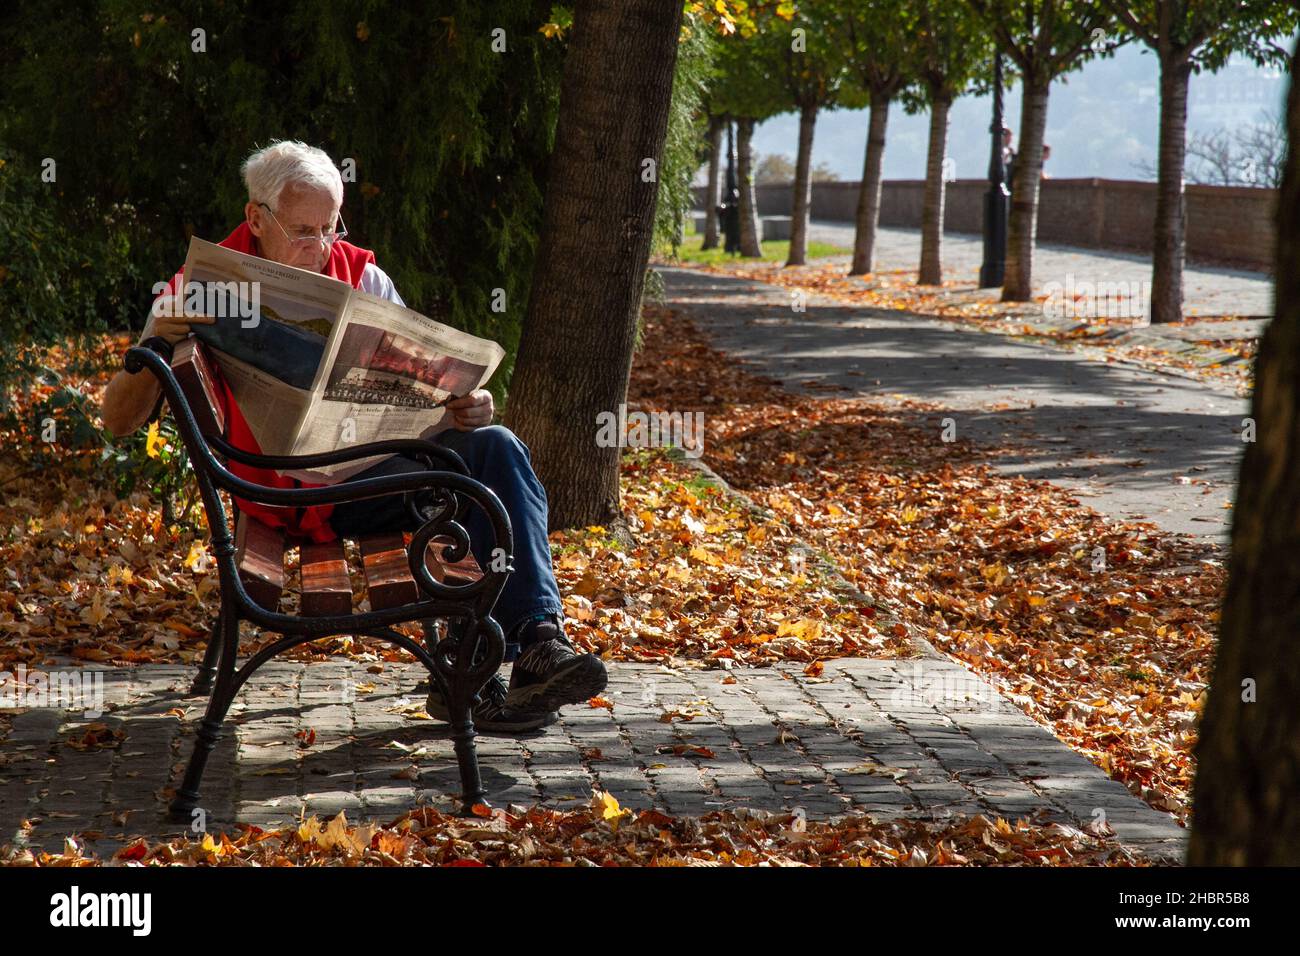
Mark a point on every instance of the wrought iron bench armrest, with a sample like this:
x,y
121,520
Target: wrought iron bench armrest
x,y
416,447
452,491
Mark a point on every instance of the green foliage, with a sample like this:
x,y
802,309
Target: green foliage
x,y
744,82
449,138
876,40
1048,38
802,56
59,277
155,461
152,460
950,53
1208,32
685,129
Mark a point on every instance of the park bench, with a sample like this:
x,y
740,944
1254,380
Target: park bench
x,y
434,580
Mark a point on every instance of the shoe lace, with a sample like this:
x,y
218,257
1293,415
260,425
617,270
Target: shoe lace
x,y
544,655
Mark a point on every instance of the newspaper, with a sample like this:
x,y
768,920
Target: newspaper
x,y
316,365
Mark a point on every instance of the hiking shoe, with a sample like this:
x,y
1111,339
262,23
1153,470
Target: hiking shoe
x,y
492,711
548,674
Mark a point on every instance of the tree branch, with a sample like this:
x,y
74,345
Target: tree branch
x,y
1130,20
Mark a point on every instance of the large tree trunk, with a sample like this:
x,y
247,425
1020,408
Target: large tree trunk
x,y
802,204
1245,811
931,272
1022,229
868,216
575,352
1169,248
750,236
714,187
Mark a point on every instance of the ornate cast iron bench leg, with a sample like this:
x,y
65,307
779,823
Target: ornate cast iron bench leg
x,y
211,654
209,732
466,658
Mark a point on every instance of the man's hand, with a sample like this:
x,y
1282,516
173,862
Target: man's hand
x,y
472,411
168,319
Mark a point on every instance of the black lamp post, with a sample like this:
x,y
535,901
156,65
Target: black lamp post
x,y
729,211
995,199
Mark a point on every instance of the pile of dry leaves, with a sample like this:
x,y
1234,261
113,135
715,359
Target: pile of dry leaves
x,y
605,834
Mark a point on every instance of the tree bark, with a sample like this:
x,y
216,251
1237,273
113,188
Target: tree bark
x,y
1245,807
800,208
750,236
931,272
1022,228
575,351
1169,246
714,187
868,215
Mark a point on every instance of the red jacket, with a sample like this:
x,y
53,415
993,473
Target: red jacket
x,y
346,263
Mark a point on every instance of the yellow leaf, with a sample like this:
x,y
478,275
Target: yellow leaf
x,y
197,559
705,557
308,830
153,442
336,834
805,630
610,810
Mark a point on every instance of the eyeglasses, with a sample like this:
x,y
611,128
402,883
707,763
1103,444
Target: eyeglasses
x,y
329,238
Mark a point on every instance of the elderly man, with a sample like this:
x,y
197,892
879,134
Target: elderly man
x,y
294,196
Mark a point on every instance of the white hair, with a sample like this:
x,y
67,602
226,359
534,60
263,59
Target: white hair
x,y
289,163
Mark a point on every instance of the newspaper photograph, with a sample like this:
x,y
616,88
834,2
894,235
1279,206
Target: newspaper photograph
x,y
316,365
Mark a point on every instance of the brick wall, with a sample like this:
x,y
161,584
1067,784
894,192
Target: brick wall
x,y
1227,225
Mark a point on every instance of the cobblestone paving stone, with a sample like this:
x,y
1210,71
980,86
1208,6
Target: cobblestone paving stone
x,y
906,738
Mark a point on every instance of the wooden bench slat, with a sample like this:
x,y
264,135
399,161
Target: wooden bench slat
x,y
326,589
259,555
464,571
388,575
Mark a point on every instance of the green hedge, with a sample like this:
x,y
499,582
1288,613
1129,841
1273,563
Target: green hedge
x,y
449,138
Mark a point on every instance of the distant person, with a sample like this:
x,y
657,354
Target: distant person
x,y
1008,158
1047,153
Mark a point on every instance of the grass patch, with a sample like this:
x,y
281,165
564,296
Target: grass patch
x,y
774,250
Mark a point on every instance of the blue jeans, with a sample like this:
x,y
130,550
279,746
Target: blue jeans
x,y
498,459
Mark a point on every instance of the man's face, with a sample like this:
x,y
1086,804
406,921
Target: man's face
x,y
300,211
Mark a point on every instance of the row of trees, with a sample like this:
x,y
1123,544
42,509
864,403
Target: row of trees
x,y
925,54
